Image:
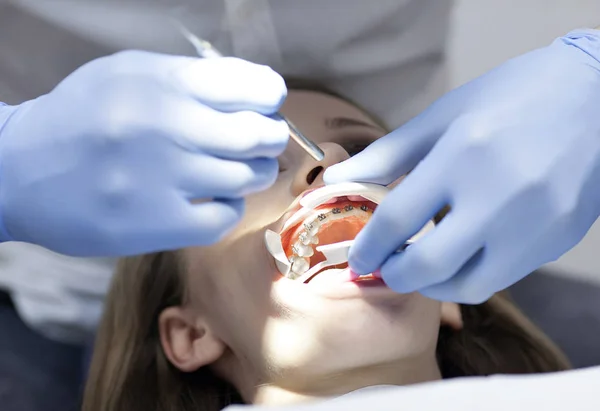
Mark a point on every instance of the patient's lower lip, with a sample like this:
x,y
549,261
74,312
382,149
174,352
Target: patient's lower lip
x,y
339,277
353,275
330,277
370,282
295,206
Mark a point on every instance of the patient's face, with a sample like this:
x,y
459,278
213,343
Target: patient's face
x,y
276,328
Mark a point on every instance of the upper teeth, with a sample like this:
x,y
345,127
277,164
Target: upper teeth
x,y
306,239
302,250
309,202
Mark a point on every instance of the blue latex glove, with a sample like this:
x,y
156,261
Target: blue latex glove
x,y
515,153
109,161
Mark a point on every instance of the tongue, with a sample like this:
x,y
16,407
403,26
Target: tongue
x,y
340,230
336,232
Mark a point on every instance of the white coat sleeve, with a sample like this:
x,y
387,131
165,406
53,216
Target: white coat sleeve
x,y
576,390
58,296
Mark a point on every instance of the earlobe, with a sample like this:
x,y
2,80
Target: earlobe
x,y
451,316
187,341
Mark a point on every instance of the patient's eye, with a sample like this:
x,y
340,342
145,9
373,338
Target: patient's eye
x,y
283,164
355,148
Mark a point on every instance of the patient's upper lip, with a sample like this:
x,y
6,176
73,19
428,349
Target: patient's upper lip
x,y
295,206
305,192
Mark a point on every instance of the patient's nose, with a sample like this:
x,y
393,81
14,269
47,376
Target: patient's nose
x,y
310,172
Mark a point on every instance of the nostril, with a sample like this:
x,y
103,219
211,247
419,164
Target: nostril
x,y
313,174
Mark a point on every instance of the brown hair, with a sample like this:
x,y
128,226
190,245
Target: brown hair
x,y
130,372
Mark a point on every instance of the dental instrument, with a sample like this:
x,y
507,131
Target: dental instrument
x,y
205,49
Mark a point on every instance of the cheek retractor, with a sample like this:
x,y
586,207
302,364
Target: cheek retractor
x,y
297,267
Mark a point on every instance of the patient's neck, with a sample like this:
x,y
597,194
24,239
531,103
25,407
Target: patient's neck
x,y
339,384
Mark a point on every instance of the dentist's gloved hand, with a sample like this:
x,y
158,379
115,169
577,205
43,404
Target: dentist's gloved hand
x,y
138,152
515,153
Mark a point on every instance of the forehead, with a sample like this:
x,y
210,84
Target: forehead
x,y
315,112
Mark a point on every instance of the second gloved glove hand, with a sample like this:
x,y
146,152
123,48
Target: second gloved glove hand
x,y
515,153
138,152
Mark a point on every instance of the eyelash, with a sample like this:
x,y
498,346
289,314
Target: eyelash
x,y
351,148
355,148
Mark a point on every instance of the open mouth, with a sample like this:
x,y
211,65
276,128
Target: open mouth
x,y
317,237
337,221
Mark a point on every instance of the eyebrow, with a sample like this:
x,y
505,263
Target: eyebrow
x,y
337,123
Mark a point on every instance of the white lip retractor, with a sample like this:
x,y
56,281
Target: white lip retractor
x,y
297,267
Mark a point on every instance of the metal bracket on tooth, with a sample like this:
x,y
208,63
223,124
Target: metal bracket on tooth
x,y
371,192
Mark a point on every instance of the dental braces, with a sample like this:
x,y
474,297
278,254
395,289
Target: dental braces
x,y
297,266
311,229
302,250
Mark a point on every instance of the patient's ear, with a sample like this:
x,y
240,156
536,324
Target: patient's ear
x,y
451,316
188,341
